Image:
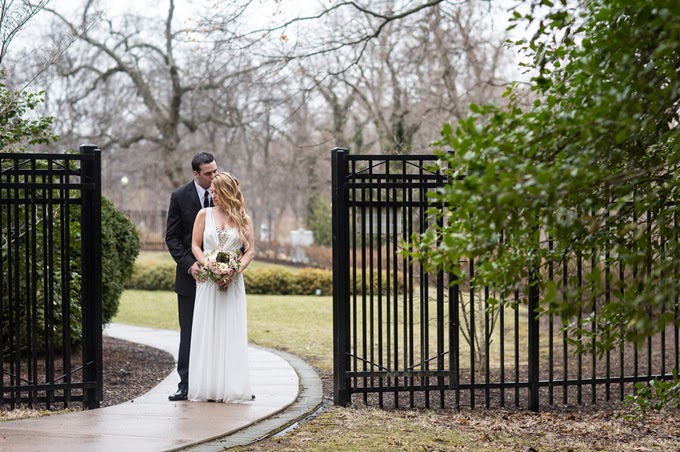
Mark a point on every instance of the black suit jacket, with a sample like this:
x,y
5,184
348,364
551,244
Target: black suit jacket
x,y
184,206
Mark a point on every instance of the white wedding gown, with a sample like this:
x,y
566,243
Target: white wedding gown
x,y
218,362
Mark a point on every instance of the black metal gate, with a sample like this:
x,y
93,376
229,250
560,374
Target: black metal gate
x,y
50,208
392,329
405,334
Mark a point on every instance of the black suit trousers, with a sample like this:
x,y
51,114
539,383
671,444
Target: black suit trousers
x,y
184,205
185,309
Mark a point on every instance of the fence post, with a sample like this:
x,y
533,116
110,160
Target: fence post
x,y
340,209
534,337
91,224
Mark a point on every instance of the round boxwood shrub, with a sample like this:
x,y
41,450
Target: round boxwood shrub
x,y
120,247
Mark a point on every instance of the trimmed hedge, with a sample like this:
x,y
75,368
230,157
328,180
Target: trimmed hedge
x,y
152,277
263,281
309,280
384,283
270,281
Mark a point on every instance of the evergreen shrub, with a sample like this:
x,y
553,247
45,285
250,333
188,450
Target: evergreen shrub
x,y
382,287
120,248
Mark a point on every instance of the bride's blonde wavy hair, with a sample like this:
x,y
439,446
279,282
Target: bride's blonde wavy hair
x,y
231,200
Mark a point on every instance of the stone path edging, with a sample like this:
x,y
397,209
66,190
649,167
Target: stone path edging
x,y
309,402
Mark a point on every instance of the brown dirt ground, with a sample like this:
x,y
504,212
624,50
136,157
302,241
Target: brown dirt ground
x,y
574,428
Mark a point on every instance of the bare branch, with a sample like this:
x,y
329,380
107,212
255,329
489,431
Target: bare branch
x,y
135,76
12,21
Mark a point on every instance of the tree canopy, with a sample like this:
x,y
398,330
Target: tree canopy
x,y
590,166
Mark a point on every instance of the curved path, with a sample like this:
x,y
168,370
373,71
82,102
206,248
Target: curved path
x,y
286,390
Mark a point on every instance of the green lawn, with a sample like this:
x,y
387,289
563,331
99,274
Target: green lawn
x,y
301,325
154,257
153,309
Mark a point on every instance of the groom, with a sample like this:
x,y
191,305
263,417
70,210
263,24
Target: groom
x,y
185,203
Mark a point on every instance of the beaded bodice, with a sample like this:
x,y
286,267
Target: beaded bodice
x,y
219,239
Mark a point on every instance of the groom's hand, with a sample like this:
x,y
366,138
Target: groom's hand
x,y
193,270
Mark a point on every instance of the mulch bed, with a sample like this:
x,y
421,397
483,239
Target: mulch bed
x,y
130,370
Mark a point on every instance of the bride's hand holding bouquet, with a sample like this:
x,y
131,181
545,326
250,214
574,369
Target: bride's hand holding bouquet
x,y
220,267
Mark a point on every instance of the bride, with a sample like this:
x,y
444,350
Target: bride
x,y
218,363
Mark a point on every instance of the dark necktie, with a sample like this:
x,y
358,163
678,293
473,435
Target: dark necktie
x,y
206,199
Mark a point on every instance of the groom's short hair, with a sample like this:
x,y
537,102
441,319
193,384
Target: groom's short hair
x,y
201,159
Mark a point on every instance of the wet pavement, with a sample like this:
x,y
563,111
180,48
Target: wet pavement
x,y
286,391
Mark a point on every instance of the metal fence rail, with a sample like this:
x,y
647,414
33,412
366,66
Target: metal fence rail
x,y
406,336
50,267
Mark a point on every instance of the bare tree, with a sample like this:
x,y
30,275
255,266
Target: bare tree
x,y
426,72
392,99
415,75
13,18
271,99
313,33
339,97
166,82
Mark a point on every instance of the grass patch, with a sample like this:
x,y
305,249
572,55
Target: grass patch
x,y
154,258
148,308
30,413
370,429
254,265
301,325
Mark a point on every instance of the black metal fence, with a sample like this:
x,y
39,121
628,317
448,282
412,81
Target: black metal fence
x,y
405,336
150,225
50,285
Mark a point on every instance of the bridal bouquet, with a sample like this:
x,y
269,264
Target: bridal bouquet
x,y
220,268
